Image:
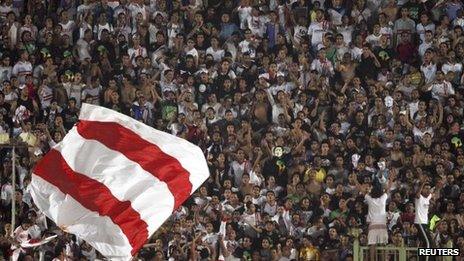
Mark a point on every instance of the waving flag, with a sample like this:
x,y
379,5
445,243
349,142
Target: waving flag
x,y
37,242
113,181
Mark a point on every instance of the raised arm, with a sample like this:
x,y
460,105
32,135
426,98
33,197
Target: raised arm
x,y
418,192
270,97
440,116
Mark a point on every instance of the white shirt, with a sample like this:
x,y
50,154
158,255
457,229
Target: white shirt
x,y
418,133
316,31
356,53
6,193
20,69
373,39
217,54
246,46
256,25
413,108
75,91
46,96
251,219
387,31
376,209
347,32
449,67
21,235
423,47
429,72
83,49
68,28
193,52
286,87
135,9
442,90
94,94
34,231
422,209
459,21
133,53
243,14
335,16
420,29
300,32
98,28
215,106
324,67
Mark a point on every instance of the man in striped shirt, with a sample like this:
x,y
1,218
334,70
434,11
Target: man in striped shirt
x,y
23,67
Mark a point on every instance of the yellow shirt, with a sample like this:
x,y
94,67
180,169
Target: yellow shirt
x,y
415,78
28,138
310,253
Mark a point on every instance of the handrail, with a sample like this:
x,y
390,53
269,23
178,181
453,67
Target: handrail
x,y
391,248
358,250
403,253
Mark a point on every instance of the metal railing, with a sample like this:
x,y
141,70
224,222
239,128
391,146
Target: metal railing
x,y
389,253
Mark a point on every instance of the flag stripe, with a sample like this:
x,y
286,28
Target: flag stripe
x,y
100,232
120,175
148,155
94,196
190,156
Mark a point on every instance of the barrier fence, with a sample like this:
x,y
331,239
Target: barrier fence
x,y
390,253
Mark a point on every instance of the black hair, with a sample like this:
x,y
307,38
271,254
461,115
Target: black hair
x,y
59,249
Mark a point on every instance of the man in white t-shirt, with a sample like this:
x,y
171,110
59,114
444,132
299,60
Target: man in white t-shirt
x,y
20,235
421,219
441,88
317,29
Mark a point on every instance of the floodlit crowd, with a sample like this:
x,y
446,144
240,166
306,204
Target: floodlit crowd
x,y
323,122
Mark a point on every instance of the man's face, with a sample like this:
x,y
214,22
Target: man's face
x,y
246,242
426,190
225,18
115,97
383,40
404,12
229,116
428,36
359,116
440,76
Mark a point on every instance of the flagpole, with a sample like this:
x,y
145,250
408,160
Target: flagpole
x,y
12,145
13,198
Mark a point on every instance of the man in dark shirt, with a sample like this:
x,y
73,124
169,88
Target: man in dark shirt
x,y
70,114
4,109
383,52
244,251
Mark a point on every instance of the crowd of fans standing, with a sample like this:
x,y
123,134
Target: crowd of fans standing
x,y
311,114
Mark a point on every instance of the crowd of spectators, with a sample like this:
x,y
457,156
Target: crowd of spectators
x,y
301,106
